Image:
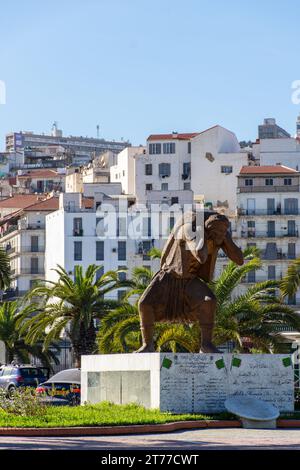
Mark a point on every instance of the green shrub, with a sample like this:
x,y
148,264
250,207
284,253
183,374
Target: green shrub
x,y
22,402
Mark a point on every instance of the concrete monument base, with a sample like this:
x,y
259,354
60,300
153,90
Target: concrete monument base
x,y
187,383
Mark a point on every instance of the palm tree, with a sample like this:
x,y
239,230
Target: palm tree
x,y
140,279
257,314
291,281
73,307
4,270
15,345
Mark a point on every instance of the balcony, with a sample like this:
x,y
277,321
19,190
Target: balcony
x,y
31,249
24,249
277,255
265,234
9,230
33,227
268,189
26,271
269,212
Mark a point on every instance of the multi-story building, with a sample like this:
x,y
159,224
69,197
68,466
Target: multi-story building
x,y
216,160
126,169
164,166
270,130
78,148
41,180
23,238
284,151
269,218
75,234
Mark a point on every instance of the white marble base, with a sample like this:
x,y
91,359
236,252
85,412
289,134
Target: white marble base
x,y
187,383
253,424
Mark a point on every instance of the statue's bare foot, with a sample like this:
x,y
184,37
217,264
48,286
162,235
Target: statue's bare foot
x,y
146,348
209,348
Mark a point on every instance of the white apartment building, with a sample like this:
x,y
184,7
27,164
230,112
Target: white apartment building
x,y
23,238
216,160
280,151
73,237
164,167
269,218
125,170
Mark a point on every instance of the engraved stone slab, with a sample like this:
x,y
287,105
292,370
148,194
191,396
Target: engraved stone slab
x,y
188,383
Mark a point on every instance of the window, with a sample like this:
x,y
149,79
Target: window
x,y
226,169
291,251
77,227
186,185
100,226
145,247
251,228
164,186
154,149
78,251
99,250
122,251
189,147
186,171
99,272
291,228
164,170
146,226
121,227
121,294
169,147
174,200
122,276
248,182
171,222
149,187
291,206
34,243
287,181
148,169
251,276
269,181
34,265
271,273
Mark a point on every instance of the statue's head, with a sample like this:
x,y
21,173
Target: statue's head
x,y
216,226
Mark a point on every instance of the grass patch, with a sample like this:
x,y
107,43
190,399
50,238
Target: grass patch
x,y
104,414
290,415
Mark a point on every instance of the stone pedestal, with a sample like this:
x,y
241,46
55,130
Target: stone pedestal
x,y
187,383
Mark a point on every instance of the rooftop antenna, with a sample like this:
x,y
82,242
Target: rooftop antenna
x,y
98,131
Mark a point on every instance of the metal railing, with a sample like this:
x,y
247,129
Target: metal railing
x,y
20,271
269,189
280,211
269,234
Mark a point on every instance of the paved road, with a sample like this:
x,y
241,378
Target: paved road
x,y
204,439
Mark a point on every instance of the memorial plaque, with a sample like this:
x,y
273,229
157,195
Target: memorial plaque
x,y
188,383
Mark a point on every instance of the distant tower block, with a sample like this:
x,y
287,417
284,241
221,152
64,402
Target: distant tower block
x,y
98,131
298,126
55,132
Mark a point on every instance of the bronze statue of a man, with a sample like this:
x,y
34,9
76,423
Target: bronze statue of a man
x,y
178,291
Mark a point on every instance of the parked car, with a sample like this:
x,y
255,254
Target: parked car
x,y
61,389
23,375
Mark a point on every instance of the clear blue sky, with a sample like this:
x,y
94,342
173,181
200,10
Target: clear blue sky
x,y
147,66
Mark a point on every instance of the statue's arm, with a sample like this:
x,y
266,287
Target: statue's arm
x,y
232,250
166,249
